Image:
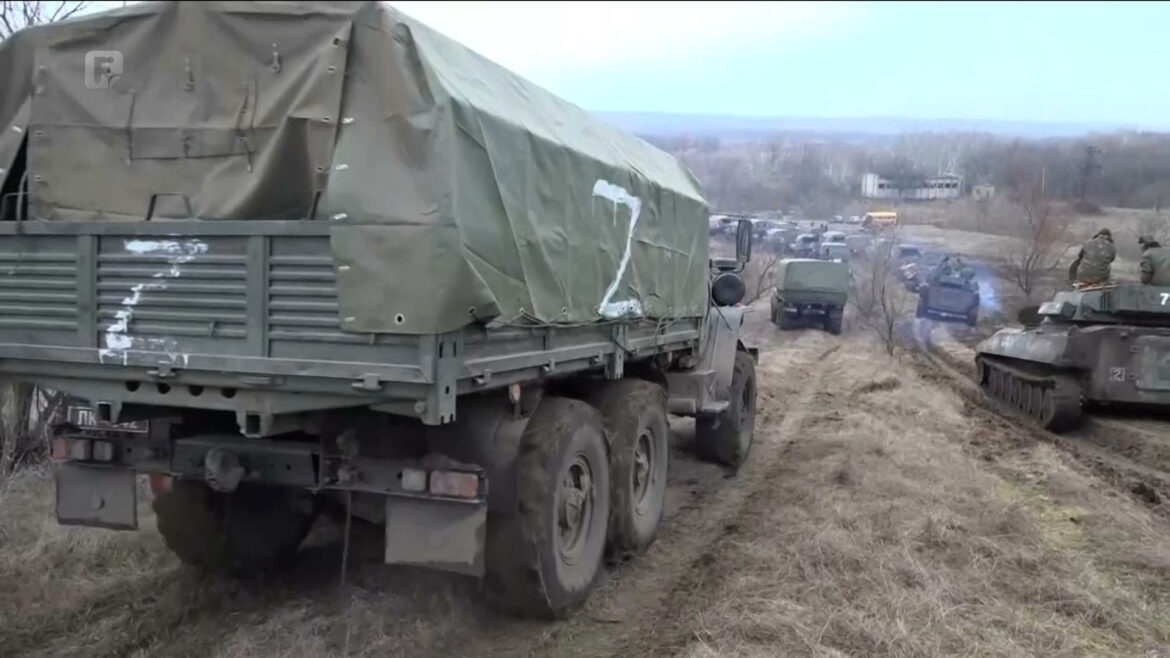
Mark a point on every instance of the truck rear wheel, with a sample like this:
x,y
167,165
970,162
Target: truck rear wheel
x,y
544,562
727,437
833,321
253,528
634,414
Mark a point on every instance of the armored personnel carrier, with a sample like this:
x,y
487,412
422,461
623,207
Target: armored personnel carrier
x,y
1094,346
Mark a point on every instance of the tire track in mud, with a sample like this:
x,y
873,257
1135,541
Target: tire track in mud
x,y
632,599
688,589
1150,485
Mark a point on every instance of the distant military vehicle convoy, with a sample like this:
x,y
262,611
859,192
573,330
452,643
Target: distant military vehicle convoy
x,y
810,293
1103,345
327,268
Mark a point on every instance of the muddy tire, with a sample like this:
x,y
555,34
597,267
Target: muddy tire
x,y
782,320
833,322
727,437
635,418
544,561
252,529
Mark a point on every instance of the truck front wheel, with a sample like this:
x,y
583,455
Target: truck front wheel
x,y
726,438
634,413
544,562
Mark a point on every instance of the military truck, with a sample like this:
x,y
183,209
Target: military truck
x,y
337,262
810,292
1102,345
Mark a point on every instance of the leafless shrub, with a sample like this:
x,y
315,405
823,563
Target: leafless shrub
x,y
880,300
1041,234
15,16
760,274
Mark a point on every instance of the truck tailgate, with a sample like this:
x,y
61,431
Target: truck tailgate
x,y
243,296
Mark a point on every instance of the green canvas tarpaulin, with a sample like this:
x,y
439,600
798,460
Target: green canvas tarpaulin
x,y
812,275
455,190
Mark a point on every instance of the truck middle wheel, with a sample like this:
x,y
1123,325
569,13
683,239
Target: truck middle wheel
x,y
634,413
544,562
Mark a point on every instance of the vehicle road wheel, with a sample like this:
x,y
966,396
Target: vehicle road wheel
x,y
727,437
544,562
973,317
251,529
634,414
833,321
784,319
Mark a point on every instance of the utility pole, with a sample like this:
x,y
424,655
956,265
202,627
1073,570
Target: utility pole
x,y
1089,166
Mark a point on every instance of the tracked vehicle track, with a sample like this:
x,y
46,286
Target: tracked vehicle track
x,y
1152,485
1051,400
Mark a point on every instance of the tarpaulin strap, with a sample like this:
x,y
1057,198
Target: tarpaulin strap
x,y
130,129
240,134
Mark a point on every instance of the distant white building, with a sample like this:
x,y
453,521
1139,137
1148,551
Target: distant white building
x,y
980,192
947,186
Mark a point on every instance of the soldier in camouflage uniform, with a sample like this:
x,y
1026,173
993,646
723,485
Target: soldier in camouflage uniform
x,y
1155,263
1093,263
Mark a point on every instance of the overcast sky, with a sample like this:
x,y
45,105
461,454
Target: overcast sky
x,y
1044,61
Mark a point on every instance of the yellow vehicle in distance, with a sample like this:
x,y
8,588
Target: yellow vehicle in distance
x,y
880,220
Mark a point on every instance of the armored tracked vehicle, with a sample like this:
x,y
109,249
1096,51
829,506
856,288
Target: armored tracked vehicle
x,y
339,263
949,297
1107,345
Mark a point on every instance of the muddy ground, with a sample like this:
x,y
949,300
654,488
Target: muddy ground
x,y
881,513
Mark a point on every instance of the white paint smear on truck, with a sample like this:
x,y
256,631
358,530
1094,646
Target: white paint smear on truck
x,y
117,338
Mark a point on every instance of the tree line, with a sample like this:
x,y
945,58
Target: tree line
x,y
820,175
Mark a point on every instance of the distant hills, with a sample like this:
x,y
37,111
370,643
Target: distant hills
x,y
661,124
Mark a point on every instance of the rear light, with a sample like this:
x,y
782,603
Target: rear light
x,y
455,484
65,449
160,483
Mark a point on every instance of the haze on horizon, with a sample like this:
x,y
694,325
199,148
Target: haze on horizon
x,y
1045,62
1077,62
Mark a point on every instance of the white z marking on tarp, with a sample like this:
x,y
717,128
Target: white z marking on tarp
x,y
619,196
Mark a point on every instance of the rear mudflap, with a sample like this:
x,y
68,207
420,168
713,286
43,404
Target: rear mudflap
x,y
98,496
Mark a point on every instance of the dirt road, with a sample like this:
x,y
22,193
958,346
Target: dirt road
x,y
879,514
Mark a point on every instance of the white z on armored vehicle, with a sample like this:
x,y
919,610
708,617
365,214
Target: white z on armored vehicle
x,y
334,258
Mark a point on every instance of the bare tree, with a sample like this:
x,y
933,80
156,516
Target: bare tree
x,y
1040,237
882,303
760,275
16,16
1155,225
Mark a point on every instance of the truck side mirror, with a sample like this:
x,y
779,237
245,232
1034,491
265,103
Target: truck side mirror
x,y
743,241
